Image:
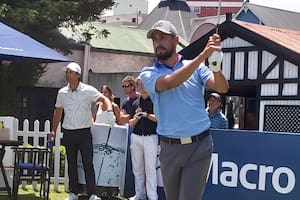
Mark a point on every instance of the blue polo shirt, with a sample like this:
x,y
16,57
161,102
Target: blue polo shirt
x,y
180,111
218,120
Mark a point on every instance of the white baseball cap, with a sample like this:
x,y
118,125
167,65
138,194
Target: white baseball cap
x,y
163,26
74,67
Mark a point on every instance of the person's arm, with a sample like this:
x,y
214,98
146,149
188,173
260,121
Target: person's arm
x,y
117,114
218,82
179,76
152,117
106,103
57,115
124,117
133,121
95,111
139,115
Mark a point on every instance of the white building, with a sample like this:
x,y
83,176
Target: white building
x,y
134,6
128,13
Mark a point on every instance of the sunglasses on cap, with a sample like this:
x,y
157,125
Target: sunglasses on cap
x,y
126,86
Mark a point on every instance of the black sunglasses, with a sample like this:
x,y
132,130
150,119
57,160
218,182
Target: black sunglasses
x,y
126,86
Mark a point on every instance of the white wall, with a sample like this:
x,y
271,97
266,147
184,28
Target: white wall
x,y
130,6
105,68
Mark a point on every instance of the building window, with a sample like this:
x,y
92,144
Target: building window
x,y
133,20
282,118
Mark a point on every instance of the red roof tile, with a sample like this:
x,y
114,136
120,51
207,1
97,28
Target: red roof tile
x,y
289,39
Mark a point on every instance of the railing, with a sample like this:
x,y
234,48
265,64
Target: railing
x,y
39,138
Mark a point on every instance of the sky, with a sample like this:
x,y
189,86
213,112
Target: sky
x,y
292,5
153,4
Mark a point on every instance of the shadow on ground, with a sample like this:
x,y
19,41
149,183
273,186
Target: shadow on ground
x,y
23,197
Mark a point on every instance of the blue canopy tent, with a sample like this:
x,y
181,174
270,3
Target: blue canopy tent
x,y
15,45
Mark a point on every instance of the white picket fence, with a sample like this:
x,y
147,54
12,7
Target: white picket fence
x,y
40,139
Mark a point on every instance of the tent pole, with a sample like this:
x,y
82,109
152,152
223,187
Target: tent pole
x,y
86,61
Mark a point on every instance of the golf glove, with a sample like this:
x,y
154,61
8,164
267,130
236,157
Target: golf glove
x,y
215,60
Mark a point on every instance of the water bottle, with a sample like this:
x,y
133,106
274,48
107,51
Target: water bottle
x,y
50,144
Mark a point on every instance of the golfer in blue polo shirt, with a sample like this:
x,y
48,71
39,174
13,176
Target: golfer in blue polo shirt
x,y
176,87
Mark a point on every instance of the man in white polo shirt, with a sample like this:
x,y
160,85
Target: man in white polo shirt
x,y
76,100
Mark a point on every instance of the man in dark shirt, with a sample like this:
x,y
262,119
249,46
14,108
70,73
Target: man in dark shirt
x,y
127,106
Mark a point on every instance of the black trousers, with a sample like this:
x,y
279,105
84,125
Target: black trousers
x,y
74,140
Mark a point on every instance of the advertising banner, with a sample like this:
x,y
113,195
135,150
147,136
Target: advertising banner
x,y
254,165
245,165
110,147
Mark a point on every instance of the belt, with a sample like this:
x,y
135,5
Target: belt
x,y
185,140
145,134
80,130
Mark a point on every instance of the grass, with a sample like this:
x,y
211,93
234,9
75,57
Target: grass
x,y
29,194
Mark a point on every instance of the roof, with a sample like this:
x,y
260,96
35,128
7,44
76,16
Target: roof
x,y
286,38
120,38
177,12
272,16
15,45
202,25
282,42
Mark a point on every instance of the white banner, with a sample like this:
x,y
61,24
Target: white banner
x,y
110,152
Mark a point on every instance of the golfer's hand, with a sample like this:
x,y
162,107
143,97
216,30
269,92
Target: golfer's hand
x,y
213,44
215,60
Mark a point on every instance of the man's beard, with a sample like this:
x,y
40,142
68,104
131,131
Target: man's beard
x,y
164,55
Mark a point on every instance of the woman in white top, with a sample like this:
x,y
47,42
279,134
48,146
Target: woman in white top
x,y
103,117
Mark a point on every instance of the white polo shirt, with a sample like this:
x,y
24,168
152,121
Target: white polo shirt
x,y
77,105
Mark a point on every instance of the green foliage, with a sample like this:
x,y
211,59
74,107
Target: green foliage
x,y
63,154
39,18
62,160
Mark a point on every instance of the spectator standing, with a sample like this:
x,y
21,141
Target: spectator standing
x,y
128,108
75,101
144,146
217,119
100,116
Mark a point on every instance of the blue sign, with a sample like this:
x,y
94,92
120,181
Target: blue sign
x,y
254,165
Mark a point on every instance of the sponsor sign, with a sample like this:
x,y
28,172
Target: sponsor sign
x,y
254,165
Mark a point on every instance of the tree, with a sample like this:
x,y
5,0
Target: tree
x,y
41,19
